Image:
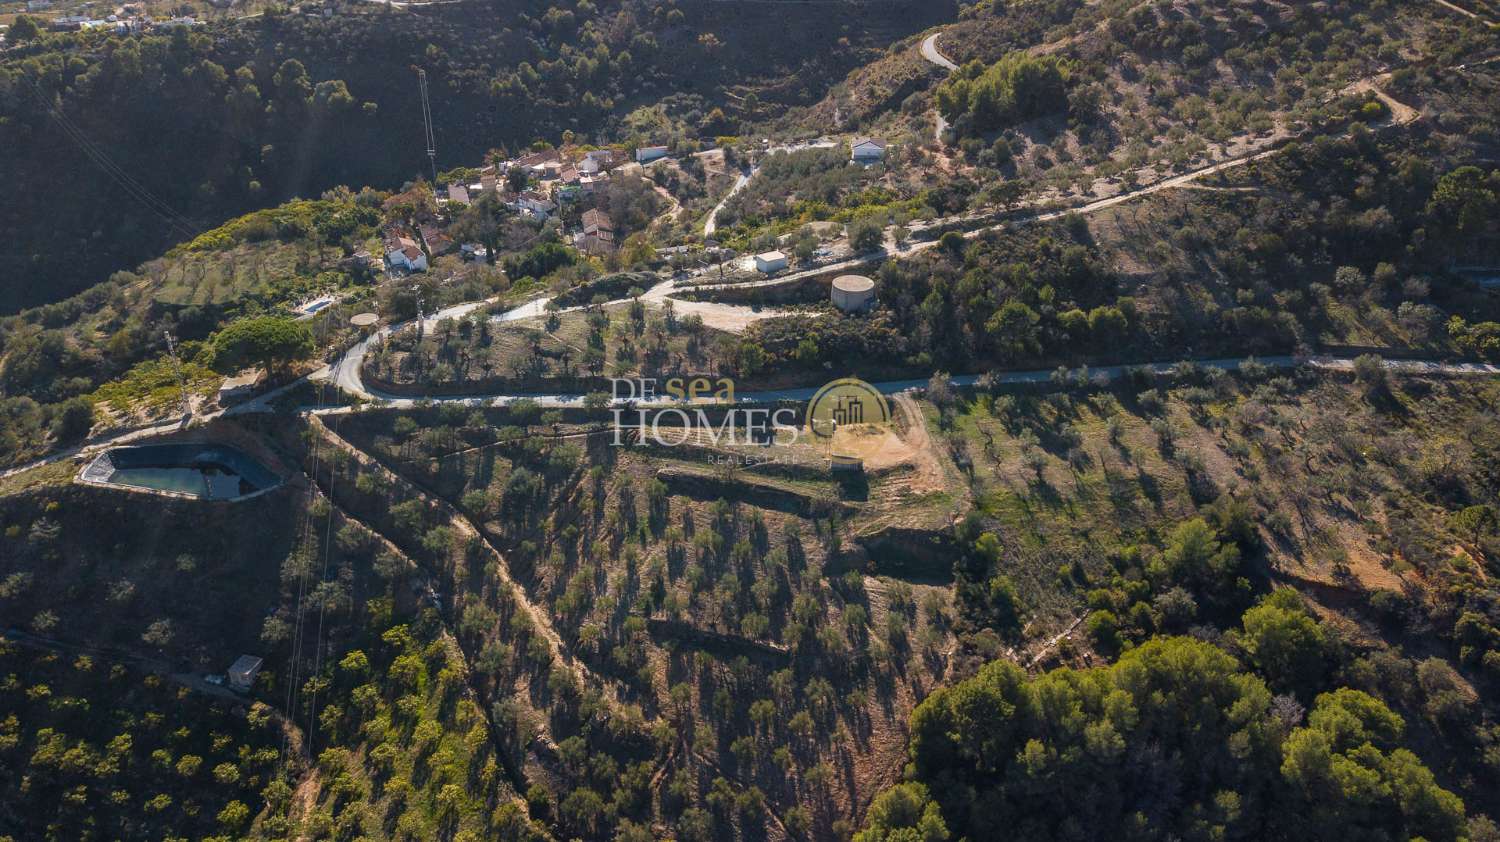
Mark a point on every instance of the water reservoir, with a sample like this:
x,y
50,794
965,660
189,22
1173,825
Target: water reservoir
x,y
203,471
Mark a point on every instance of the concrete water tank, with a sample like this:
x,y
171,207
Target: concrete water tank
x,y
853,292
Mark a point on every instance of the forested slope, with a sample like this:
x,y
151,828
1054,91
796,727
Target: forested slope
x,y
208,123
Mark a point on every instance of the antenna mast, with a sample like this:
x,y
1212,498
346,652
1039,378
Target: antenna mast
x,y
182,390
427,120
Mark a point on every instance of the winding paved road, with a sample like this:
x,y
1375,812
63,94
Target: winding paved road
x,y
930,52
1102,374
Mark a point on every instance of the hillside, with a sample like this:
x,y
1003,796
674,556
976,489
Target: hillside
x,y
775,422
128,145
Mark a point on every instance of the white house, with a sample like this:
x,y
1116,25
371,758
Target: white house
x,y
603,156
404,253
174,23
647,154
535,205
771,261
866,150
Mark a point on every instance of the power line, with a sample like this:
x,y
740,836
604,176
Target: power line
x,y
312,716
427,121
133,188
294,667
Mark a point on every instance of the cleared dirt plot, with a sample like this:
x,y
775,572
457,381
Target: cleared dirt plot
x,y
619,340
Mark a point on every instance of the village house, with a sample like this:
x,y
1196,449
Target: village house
x,y
402,252
173,23
536,159
599,243
566,188
598,234
535,205
589,184
595,220
437,240
458,194
866,150
604,158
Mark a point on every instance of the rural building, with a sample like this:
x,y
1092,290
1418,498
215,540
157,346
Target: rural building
x,y
437,240
603,156
588,184
840,464
852,293
458,193
600,243
647,154
771,261
402,252
535,205
243,671
595,220
537,159
866,150
240,386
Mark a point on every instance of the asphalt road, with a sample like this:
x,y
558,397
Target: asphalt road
x,y
930,52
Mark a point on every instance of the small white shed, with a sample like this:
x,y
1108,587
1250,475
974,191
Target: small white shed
x,y
770,261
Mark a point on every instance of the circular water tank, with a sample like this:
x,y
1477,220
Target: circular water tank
x,y
364,320
853,292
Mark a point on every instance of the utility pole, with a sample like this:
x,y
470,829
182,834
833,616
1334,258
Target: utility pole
x,y
427,120
182,390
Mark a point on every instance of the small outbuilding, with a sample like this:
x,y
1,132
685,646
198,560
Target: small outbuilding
x,y
243,671
241,385
852,293
841,464
770,261
866,150
647,154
